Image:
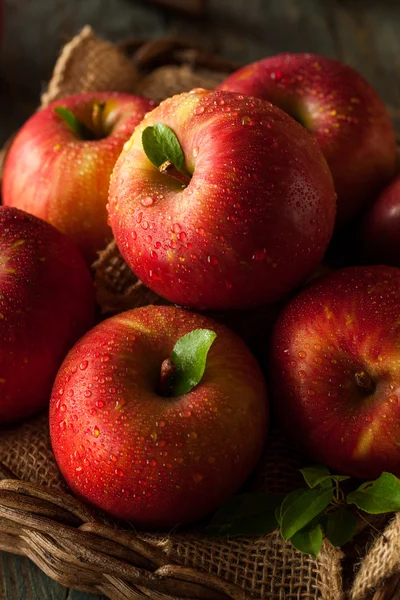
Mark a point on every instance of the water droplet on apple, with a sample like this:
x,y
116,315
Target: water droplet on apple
x,y
147,201
83,365
197,477
302,374
302,354
199,110
393,400
259,255
96,431
182,236
63,425
99,403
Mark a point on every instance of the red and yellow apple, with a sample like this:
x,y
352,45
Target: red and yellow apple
x,y
46,304
380,228
253,218
343,112
335,370
154,460
62,176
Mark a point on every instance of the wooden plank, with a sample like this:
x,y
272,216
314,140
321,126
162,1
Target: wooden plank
x,y
20,579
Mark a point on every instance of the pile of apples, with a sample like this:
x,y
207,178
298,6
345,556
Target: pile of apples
x,y
219,201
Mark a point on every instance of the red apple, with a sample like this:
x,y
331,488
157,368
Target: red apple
x,y
342,111
335,370
252,219
62,175
154,460
46,304
380,228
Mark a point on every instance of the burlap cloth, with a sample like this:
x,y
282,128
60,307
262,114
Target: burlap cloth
x,y
265,566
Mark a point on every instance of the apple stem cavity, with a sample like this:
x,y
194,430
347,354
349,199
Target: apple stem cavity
x,y
98,130
165,385
77,126
169,169
365,382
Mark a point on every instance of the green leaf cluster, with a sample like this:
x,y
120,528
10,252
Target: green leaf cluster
x,y
307,515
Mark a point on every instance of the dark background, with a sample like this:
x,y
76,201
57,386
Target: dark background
x,y
362,33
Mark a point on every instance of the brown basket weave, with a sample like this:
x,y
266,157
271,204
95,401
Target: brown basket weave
x,y
82,549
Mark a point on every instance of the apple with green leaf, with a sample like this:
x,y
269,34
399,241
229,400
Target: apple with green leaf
x,y
59,165
158,415
46,304
220,201
340,109
335,370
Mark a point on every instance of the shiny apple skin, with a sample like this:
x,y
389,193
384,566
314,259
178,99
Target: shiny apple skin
x,y
252,224
380,228
343,324
155,461
46,304
343,112
51,173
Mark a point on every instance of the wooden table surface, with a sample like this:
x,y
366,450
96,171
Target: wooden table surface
x,y
362,33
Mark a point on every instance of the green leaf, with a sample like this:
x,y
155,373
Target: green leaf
x,y
340,526
161,145
302,509
320,475
316,475
77,126
189,357
246,514
288,500
379,496
308,540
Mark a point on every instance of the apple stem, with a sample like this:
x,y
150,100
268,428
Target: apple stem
x,y
97,119
169,169
365,382
167,373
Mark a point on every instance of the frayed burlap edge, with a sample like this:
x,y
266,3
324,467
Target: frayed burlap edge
x,y
380,569
90,64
